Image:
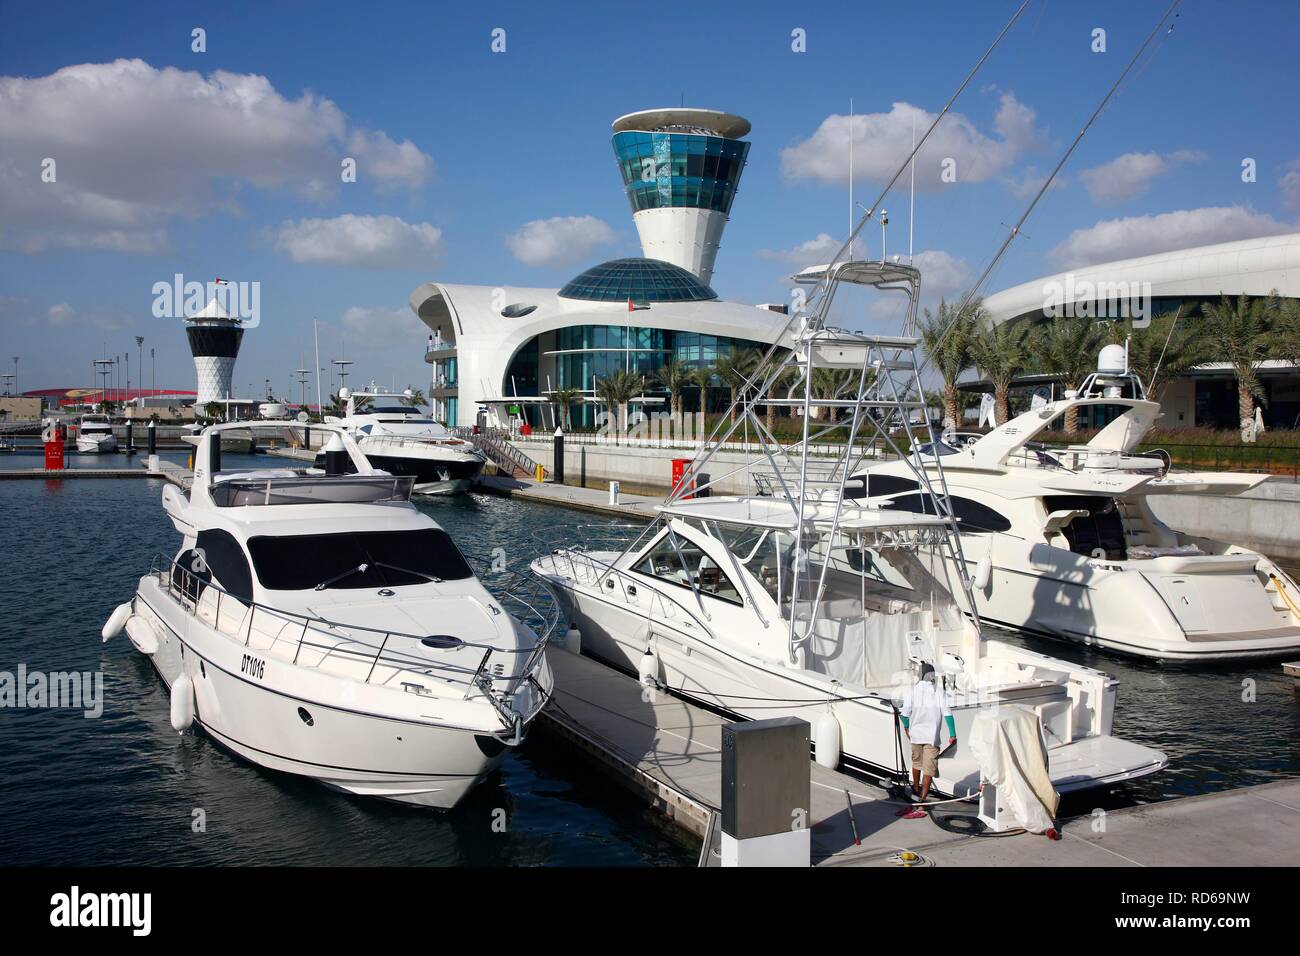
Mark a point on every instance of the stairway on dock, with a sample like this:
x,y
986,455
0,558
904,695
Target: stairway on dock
x,y
498,449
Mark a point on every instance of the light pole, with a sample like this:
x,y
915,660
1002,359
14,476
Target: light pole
x,y
15,374
139,344
153,373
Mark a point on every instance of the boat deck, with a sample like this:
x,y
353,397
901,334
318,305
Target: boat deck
x,y
670,752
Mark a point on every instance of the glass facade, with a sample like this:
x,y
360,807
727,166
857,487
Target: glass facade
x,y
643,280
444,373
669,169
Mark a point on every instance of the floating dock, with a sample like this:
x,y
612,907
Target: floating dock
x,y
169,471
669,752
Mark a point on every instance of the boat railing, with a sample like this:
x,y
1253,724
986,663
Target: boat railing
x,y
416,441
381,650
231,491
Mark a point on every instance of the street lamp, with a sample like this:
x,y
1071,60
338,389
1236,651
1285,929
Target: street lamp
x,y
139,344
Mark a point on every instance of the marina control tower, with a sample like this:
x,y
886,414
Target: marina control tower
x,y
680,169
214,342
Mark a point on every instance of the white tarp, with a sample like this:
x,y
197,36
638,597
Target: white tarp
x,y
1008,743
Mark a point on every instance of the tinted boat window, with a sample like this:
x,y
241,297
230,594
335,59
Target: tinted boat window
x,y
225,559
974,517
300,562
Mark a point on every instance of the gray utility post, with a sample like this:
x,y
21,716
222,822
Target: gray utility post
x,y
766,793
558,469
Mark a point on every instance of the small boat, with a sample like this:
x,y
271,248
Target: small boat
x,y
1072,547
400,438
313,621
95,435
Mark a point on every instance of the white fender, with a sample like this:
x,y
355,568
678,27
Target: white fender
x,y
116,621
142,634
182,703
573,641
826,736
983,573
647,669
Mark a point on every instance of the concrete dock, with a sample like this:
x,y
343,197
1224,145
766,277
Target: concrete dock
x,y
669,752
169,471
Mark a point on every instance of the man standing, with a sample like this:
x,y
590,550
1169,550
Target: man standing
x,y
928,722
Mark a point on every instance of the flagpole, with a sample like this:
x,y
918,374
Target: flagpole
x,y
320,409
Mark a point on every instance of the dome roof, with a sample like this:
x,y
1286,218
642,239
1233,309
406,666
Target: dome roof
x,y
645,280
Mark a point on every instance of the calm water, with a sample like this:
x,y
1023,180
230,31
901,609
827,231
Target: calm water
x,y
123,788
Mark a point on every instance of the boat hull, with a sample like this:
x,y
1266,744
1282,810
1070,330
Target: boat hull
x,y
316,725
433,476
1145,609
96,445
872,740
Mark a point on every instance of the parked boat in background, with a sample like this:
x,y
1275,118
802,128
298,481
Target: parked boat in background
x,y
95,435
1062,541
402,439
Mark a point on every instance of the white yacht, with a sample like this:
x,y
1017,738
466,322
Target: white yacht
x,y
95,435
315,622
1062,541
401,439
793,600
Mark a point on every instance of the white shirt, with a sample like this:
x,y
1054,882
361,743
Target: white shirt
x,y
925,708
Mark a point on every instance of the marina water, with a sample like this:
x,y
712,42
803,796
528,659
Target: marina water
x,y
124,788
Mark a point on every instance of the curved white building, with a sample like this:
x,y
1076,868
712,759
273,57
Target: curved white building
x,y
1161,283
502,349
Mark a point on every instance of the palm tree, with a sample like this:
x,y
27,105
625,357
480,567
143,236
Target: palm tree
x,y
702,377
212,410
946,338
336,406
1066,347
1164,349
733,368
1286,329
674,376
616,390
1000,355
416,399
1241,334
564,399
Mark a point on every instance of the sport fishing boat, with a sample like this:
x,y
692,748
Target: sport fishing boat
x,y
95,435
401,439
1063,542
315,622
793,599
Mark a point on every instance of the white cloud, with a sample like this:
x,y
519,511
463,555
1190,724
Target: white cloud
x,y
559,241
941,273
135,146
814,252
882,140
1290,186
62,315
1128,176
377,323
376,242
1131,236
390,163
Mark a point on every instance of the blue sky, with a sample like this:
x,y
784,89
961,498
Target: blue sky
x,y
226,162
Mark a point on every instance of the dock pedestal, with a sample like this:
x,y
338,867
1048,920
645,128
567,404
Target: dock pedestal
x,y
766,793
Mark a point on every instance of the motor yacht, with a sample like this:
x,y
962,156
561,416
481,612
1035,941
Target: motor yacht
x,y
794,600
400,438
1063,541
315,622
95,435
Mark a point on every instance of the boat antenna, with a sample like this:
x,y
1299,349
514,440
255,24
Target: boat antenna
x,y
911,199
1046,184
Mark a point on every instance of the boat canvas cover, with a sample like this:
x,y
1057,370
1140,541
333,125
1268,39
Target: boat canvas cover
x,y
1008,743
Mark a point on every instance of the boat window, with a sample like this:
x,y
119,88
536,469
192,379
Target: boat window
x,y
664,563
973,517
392,558
877,485
225,559
1100,530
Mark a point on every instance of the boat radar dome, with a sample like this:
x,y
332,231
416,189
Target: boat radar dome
x,y
344,393
1113,360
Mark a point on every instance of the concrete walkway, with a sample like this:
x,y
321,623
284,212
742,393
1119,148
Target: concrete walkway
x,y
571,496
669,751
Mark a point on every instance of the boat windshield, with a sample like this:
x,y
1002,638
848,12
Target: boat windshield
x,y
359,559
